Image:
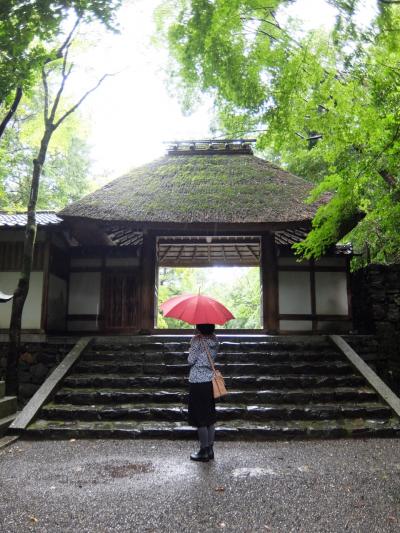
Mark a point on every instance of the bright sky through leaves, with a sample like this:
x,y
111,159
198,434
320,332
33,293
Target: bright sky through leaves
x,y
132,113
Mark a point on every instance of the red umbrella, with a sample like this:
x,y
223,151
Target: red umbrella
x,y
196,309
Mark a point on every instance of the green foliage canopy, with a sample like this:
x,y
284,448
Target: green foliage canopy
x,y
66,175
27,29
325,104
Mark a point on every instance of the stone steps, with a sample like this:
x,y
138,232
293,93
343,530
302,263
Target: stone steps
x,y
224,357
230,369
147,395
232,382
176,412
8,406
263,344
279,387
237,429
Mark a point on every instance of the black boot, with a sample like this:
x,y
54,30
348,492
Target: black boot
x,y
210,452
201,455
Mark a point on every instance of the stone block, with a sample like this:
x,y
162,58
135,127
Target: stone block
x,y
378,295
378,311
393,313
8,406
383,329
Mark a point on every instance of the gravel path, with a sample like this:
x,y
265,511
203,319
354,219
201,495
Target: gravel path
x,y
149,486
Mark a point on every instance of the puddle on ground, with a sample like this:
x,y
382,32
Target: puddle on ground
x,y
127,469
256,472
97,473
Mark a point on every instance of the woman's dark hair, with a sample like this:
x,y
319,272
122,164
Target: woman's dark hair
x,y
206,329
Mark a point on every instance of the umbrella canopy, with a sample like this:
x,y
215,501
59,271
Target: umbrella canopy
x,y
196,309
5,297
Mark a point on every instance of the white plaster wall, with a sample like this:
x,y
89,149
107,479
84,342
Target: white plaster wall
x,y
56,303
31,316
294,292
331,293
84,293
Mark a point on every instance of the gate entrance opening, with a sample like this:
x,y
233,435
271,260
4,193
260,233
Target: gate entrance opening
x,y
226,268
238,288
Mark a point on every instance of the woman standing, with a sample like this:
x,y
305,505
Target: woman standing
x,y
201,407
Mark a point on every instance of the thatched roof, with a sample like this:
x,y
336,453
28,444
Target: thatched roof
x,y
200,188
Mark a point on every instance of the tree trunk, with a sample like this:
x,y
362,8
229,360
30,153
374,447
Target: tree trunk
x,y
21,292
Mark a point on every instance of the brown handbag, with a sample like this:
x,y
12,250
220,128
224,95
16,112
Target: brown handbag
x,y
218,381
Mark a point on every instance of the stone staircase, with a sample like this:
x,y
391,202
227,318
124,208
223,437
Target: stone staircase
x,y
8,409
279,387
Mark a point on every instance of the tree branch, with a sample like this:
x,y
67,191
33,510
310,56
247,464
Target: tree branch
x,y
64,77
389,178
68,40
46,96
74,107
11,111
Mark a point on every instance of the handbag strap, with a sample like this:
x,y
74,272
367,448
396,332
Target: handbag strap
x,y
208,353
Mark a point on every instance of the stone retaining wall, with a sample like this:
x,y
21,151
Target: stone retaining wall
x,y
376,310
36,363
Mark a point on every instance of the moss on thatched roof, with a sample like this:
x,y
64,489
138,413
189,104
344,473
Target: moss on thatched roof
x,y
200,188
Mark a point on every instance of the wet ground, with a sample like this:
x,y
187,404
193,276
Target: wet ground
x,y
149,486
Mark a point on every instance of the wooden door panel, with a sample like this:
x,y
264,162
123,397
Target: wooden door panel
x,y
120,301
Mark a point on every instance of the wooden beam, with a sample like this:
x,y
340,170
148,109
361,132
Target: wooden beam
x,y
269,282
148,265
210,228
241,240
162,255
202,263
248,246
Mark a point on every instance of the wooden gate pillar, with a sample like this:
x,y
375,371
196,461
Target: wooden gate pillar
x,y
269,284
147,283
